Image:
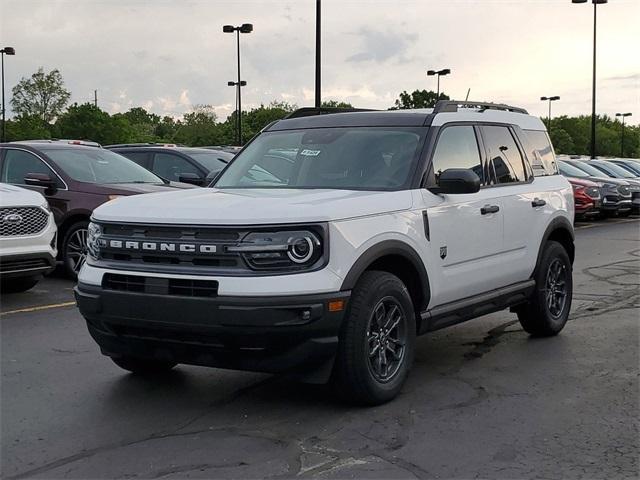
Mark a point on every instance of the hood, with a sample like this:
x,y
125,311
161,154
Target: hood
x,y
136,188
251,206
12,196
614,181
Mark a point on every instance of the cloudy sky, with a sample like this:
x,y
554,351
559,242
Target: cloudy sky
x,y
169,55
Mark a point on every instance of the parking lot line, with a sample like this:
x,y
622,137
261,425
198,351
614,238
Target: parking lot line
x,y
38,308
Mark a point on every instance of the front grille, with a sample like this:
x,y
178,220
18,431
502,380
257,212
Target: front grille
x,y
22,221
160,286
7,266
592,192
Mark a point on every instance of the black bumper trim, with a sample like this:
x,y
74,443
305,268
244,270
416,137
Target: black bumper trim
x,y
26,264
269,334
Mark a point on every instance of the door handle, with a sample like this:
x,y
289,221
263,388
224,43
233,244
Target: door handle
x,y
537,202
489,209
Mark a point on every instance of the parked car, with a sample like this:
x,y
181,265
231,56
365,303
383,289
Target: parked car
x,y
586,197
225,148
615,171
197,166
27,238
616,195
379,230
628,164
75,179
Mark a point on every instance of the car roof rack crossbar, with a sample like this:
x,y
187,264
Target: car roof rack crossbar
x,y
311,111
452,106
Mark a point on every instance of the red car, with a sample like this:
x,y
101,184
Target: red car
x,y
586,196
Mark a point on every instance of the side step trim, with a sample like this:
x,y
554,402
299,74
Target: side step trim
x,y
471,307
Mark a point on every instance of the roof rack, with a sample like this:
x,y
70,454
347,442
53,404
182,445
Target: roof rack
x,y
84,143
452,106
311,111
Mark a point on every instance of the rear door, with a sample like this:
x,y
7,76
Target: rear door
x,y
141,158
527,200
465,244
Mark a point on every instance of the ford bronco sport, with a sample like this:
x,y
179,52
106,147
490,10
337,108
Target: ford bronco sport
x,y
332,241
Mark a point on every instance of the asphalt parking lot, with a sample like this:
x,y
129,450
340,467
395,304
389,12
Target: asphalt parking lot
x,y
483,400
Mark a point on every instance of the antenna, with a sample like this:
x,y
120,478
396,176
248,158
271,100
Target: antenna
x,y
468,92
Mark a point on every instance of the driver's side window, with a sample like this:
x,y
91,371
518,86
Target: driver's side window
x,y
18,163
457,147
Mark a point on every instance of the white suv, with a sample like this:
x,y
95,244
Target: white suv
x,y
333,240
27,238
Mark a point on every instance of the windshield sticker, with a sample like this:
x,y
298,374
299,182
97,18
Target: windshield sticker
x,y
310,153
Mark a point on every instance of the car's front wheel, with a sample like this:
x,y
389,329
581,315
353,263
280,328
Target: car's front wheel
x,y
547,311
377,340
74,247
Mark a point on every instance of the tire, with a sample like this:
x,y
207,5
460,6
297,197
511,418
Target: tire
x,y
547,311
141,366
360,377
22,284
74,248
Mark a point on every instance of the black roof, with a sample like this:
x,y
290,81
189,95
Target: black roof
x,y
383,118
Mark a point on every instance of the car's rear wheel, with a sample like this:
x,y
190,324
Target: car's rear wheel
x,y
74,247
143,366
548,309
16,285
377,340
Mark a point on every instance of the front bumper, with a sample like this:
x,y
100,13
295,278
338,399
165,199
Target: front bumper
x,y
26,264
294,334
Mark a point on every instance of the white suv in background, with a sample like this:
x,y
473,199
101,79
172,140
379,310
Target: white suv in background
x,y
27,238
331,241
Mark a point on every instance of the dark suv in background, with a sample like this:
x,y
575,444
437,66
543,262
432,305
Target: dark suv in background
x,y
197,166
75,179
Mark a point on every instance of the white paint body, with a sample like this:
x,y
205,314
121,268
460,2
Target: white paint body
x,y
12,196
484,252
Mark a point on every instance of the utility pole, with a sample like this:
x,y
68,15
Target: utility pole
x,y
318,56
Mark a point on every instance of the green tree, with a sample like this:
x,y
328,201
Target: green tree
x,y
43,95
143,124
88,122
198,128
418,99
27,127
335,104
562,142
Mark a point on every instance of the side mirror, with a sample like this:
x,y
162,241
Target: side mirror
x,y
458,180
191,178
41,180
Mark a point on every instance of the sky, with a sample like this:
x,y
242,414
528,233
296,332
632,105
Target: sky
x,y
168,56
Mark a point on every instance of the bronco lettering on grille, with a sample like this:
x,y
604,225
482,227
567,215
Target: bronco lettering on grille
x,y
158,246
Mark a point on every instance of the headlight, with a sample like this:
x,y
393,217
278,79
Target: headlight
x,y
281,250
93,240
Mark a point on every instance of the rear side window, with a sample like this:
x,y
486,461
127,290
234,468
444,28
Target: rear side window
x,y
141,158
18,163
457,147
505,154
170,166
543,157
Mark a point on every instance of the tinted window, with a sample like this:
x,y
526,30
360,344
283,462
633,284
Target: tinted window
x,y
141,158
363,158
96,165
504,152
211,161
18,163
457,147
544,163
570,171
170,166
613,169
594,172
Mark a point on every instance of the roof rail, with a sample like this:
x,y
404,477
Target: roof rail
x,y
311,111
452,106
143,144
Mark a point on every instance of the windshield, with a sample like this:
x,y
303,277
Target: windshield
x,y
95,165
571,171
211,160
615,170
592,171
354,158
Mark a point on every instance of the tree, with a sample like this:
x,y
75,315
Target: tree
x,y
418,99
88,122
27,127
198,128
43,95
335,104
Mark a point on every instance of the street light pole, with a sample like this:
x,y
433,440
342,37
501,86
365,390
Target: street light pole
x,y
623,115
444,71
550,99
3,52
318,56
593,83
244,28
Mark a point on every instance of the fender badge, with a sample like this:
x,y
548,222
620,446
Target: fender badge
x,y
443,252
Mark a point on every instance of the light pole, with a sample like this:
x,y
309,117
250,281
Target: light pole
x,y
623,115
3,52
318,58
550,99
244,28
444,71
593,86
